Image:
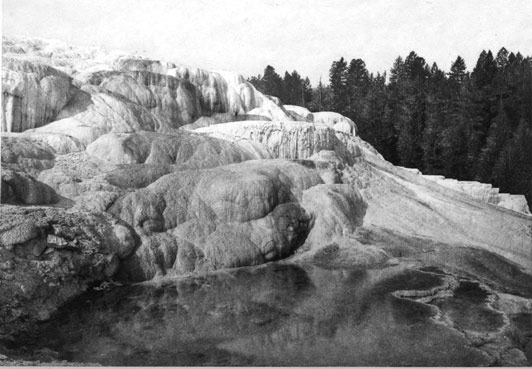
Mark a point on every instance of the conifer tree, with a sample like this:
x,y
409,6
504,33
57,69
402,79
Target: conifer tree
x,y
272,82
339,87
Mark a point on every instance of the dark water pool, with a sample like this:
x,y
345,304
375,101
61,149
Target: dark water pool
x,y
271,315
469,311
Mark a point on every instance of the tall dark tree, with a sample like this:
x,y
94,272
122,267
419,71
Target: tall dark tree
x,y
339,88
306,93
502,59
272,82
485,70
358,85
408,97
435,123
296,90
456,125
376,127
321,98
458,71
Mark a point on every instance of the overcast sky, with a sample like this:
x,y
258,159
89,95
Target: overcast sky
x,y
306,35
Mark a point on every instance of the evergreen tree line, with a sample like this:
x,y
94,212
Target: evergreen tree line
x,y
291,90
466,125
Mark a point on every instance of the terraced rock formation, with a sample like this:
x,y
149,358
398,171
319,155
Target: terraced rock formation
x,y
121,167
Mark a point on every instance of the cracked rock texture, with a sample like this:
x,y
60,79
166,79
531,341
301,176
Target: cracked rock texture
x,y
288,140
51,255
34,94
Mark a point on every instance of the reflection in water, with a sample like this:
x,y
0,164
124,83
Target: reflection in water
x,y
469,310
276,314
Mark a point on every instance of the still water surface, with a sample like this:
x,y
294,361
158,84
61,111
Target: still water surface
x,y
277,314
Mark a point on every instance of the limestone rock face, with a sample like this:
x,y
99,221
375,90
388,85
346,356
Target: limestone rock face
x,y
20,188
103,114
81,178
138,64
189,150
484,192
338,210
403,202
513,202
174,101
271,109
224,92
329,165
58,143
250,97
118,102
481,191
25,155
299,113
241,214
130,161
50,255
216,93
33,94
218,118
69,59
288,140
119,93
336,121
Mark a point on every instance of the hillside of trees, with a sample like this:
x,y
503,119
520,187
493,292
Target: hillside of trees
x,y
466,125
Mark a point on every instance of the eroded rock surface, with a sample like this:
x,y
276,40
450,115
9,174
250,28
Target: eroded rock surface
x,y
34,94
58,143
485,192
24,155
241,214
299,113
174,101
104,114
20,188
50,255
513,202
288,140
182,148
336,121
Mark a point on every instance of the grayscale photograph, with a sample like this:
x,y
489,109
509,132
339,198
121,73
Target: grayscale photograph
x,y
266,183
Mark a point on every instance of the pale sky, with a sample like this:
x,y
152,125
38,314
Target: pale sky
x,y
307,35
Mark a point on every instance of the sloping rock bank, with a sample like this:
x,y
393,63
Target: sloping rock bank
x,y
485,192
51,255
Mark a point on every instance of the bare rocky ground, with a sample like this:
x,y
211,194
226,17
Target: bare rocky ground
x,y
121,168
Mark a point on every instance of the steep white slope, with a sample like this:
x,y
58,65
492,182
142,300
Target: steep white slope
x,y
485,192
409,204
34,94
